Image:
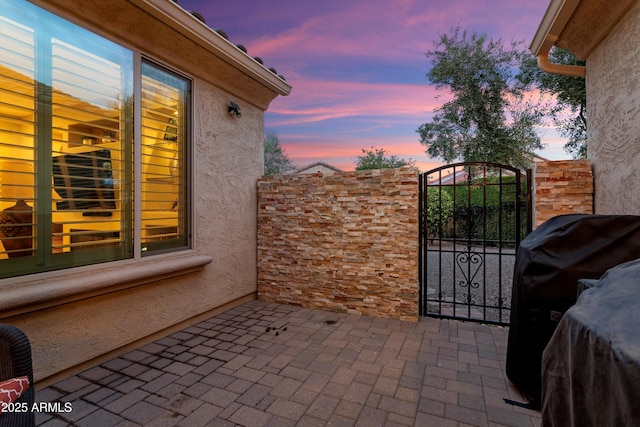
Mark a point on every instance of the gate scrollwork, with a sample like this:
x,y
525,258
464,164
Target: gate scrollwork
x,y
469,264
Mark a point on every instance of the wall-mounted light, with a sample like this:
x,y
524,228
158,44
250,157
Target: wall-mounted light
x,y
234,109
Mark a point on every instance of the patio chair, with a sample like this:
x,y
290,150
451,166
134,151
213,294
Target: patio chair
x,y
15,362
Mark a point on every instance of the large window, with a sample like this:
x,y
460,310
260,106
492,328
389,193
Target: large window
x,y
79,183
164,103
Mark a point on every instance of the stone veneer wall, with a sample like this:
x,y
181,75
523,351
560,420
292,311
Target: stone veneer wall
x,y
562,187
346,242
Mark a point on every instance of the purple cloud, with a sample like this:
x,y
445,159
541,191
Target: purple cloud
x,y
358,68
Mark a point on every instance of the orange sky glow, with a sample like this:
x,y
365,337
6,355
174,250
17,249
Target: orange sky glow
x,y
358,68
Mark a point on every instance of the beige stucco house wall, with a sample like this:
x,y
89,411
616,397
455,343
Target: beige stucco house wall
x,y
77,317
607,35
613,102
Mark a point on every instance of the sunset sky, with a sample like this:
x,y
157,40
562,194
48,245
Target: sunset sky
x,y
358,67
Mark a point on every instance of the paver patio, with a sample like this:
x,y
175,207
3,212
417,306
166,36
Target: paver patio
x,y
268,364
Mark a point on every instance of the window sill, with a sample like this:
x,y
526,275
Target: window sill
x,y
24,296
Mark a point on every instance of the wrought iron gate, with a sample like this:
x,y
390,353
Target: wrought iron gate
x,y
472,218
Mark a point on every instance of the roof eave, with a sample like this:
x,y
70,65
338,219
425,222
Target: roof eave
x,y
553,23
172,14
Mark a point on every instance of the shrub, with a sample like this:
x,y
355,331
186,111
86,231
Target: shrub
x,y
483,211
439,210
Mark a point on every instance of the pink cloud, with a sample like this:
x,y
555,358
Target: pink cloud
x,y
319,100
376,29
395,30
358,68
341,152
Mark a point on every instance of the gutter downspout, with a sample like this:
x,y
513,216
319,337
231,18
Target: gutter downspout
x,y
558,13
562,69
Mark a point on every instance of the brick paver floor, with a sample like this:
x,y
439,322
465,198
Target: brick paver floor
x,y
264,364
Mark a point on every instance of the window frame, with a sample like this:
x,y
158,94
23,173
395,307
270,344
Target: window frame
x,y
132,212
187,164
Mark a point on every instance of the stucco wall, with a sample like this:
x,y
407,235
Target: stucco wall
x,y
227,161
344,242
613,103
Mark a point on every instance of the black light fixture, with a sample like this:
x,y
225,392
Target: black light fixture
x,y
234,109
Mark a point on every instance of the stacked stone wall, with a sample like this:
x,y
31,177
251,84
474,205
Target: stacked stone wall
x,y
562,187
346,242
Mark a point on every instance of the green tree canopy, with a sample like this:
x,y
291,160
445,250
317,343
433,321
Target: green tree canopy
x,y
376,158
571,96
276,161
488,118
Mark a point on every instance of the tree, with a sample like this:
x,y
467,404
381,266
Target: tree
x,y
276,161
376,158
571,96
488,118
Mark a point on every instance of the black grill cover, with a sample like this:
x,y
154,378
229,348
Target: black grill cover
x,y
591,367
548,265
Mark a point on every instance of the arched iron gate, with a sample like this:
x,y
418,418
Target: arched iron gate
x,y
473,216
